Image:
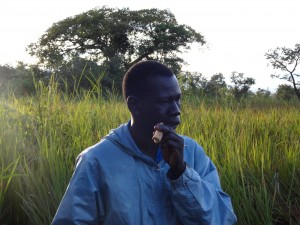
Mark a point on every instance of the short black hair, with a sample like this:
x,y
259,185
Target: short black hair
x,y
136,78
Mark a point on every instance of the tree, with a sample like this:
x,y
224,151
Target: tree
x,y
19,79
241,85
192,81
285,92
79,72
116,38
216,86
263,93
287,60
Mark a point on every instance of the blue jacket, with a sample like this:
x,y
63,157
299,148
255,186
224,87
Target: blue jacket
x,y
114,183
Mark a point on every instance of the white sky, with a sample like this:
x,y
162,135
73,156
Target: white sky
x,y
238,32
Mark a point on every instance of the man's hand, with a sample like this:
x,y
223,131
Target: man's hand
x,y
172,146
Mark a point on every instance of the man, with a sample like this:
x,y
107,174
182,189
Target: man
x,y
127,178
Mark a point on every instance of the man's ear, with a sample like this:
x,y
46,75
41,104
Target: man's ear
x,y
133,105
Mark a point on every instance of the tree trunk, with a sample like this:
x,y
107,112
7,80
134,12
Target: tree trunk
x,y
297,92
145,55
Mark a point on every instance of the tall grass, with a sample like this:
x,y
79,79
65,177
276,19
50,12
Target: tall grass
x,y
256,150
257,153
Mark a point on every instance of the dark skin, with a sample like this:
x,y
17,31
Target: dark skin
x,y
159,110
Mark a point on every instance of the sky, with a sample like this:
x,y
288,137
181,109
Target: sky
x,y
238,32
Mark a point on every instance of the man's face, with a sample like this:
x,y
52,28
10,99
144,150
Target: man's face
x,y
162,102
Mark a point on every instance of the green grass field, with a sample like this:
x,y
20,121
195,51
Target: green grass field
x,y
255,147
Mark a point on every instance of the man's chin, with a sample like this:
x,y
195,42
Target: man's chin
x,y
173,125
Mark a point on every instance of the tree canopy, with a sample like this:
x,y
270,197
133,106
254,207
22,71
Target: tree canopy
x,y
287,60
121,36
216,86
285,92
241,84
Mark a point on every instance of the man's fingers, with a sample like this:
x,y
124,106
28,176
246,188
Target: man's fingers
x,y
164,128
172,137
170,144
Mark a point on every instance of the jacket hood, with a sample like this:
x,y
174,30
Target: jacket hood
x,y
121,137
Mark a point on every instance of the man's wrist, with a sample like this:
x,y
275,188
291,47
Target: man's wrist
x,y
175,172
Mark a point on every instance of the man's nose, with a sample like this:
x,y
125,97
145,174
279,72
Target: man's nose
x,y
175,109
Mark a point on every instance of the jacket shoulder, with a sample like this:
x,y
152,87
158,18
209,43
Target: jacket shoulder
x,y
196,158
192,145
103,150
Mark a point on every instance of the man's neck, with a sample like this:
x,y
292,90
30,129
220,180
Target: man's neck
x,y
143,139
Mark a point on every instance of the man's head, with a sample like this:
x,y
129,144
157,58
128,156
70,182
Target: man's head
x,y
136,80
152,94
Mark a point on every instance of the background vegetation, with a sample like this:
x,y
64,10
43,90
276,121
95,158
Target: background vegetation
x,y
253,142
97,47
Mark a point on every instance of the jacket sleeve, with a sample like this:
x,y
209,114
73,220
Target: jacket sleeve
x,y
82,203
197,194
